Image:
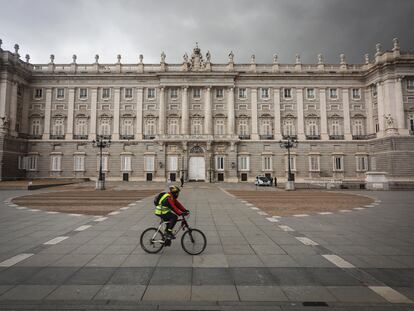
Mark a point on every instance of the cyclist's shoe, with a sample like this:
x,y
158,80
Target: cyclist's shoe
x,y
169,235
167,242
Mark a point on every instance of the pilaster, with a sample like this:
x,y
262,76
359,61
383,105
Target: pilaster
x,y
299,107
117,101
230,111
324,120
277,129
25,110
138,127
48,111
13,109
399,108
347,118
94,102
71,106
381,109
370,111
208,120
161,117
255,132
184,111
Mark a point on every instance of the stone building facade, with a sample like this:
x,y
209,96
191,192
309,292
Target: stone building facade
x,y
208,121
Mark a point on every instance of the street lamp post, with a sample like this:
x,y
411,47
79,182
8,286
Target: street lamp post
x,y
100,143
288,144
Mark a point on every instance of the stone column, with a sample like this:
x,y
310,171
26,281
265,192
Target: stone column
x,y
399,108
324,120
94,102
25,110
208,119
370,112
276,99
139,115
255,129
117,101
13,109
161,117
381,109
299,107
48,112
230,111
71,106
184,111
346,110
4,98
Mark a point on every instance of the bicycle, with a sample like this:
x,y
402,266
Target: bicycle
x,y
193,241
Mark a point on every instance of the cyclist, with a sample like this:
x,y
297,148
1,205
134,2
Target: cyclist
x,y
168,207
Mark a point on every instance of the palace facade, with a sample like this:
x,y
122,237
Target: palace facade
x,y
208,121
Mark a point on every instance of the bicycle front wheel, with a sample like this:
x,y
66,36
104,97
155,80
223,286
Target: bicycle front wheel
x,y
152,240
193,241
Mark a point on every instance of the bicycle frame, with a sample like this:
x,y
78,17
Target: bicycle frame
x,y
183,226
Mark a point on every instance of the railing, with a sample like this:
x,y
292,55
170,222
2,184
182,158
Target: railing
x,y
243,137
359,137
127,137
35,136
149,136
108,137
80,137
291,136
313,137
371,136
266,136
336,137
23,135
51,136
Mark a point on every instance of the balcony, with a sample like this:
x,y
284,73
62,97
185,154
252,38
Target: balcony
x,y
336,137
149,136
83,137
266,137
244,137
56,136
107,137
313,137
291,136
371,136
127,137
35,136
359,137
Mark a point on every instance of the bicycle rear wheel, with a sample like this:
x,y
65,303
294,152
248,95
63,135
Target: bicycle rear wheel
x,y
152,240
193,241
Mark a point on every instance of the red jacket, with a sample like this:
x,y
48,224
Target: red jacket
x,y
174,205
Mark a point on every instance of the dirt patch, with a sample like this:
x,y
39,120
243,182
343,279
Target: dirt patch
x,y
281,203
83,201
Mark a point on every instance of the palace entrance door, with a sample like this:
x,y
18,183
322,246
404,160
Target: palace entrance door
x,y
197,169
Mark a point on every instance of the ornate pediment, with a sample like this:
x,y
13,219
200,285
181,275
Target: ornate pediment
x,y
196,62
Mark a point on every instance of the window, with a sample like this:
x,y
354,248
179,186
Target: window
x,y
106,93
292,163
126,163
376,126
105,127
150,127
32,162
151,93
56,161
220,127
266,127
244,163
22,163
410,84
242,93
267,163
219,93
60,93
196,128
287,93
173,127
79,163
264,93
336,127
220,163
356,93
411,122
196,93
312,128
358,127
173,163
314,163
288,128
361,163
244,127
310,93
149,163
105,160
174,93
35,128
128,93
374,90
81,126
38,93
83,93
333,93
127,126
58,127
338,163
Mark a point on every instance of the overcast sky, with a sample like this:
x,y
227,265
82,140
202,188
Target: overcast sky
x,y
260,27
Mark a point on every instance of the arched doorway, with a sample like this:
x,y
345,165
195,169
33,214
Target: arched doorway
x,y
197,164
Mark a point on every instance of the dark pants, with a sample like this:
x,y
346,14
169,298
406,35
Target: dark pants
x,y
171,218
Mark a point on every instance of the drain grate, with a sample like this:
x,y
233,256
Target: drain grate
x,y
315,304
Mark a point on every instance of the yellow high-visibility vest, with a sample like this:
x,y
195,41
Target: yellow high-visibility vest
x,y
161,209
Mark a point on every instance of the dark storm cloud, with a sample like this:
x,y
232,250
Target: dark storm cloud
x,y
130,28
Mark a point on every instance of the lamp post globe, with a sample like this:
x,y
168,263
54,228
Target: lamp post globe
x,y
288,143
101,143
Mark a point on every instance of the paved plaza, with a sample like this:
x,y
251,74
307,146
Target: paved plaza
x,y
352,259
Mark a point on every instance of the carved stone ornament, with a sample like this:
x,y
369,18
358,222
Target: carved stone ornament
x,y
163,56
208,57
141,58
231,57
389,120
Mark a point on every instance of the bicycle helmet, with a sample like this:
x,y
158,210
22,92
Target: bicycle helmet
x,y
175,191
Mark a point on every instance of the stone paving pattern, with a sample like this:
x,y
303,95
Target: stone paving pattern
x,y
250,263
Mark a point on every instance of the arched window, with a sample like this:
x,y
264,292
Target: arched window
x,y
219,127
358,127
150,127
58,125
196,128
127,126
336,127
288,127
81,126
266,127
105,127
173,126
243,127
36,127
312,127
